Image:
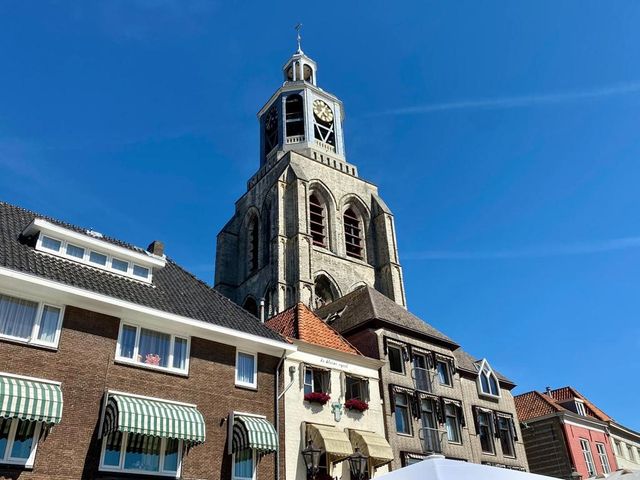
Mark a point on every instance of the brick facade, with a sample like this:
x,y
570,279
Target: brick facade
x,y
84,363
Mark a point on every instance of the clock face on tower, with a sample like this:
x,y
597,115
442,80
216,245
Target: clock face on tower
x,y
322,111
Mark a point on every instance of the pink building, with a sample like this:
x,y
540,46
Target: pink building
x,y
564,434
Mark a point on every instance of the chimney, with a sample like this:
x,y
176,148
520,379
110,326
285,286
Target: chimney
x,y
262,312
549,391
156,247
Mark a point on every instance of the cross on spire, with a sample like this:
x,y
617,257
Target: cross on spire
x,y
298,27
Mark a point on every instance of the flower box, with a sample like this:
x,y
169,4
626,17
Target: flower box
x,y
317,397
357,405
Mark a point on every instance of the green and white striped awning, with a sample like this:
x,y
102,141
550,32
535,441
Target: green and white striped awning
x,y
30,400
155,418
254,433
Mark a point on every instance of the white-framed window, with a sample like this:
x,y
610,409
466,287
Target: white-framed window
x,y
444,373
402,413
244,465
316,380
246,369
29,321
487,380
588,457
91,257
153,349
604,458
452,423
18,441
580,408
141,454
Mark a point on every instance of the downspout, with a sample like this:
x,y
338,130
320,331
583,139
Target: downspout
x,y
278,396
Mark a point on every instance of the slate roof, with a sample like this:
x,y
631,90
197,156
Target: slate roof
x,y
174,290
301,323
365,304
467,362
534,404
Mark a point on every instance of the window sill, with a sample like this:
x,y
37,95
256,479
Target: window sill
x,y
27,343
489,396
246,386
131,363
17,464
404,434
132,473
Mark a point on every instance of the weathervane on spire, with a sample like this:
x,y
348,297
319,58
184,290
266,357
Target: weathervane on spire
x,y
298,27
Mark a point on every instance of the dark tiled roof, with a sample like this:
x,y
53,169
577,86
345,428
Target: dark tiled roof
x,y
301,323
174,289
466,362
365,304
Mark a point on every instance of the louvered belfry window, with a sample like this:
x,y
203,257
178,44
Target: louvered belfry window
x,y
352,234
317,221
254,240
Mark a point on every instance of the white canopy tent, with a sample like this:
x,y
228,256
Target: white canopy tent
x,y
436,467
622,475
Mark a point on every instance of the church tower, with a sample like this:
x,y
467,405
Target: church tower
x,y
308,227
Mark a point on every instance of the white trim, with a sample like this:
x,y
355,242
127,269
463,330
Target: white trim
x,y
157,314
172,338
35,328
588,427
26,462
32,379
121,468
49,229
490,373
254,384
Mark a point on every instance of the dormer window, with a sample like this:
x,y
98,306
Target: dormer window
x,y
92,250
487,380
580,410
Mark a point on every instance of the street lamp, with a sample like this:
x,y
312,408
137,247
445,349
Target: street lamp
x,y
358,464
311,458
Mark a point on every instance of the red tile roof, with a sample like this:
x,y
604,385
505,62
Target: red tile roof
x,y
301,323
535,404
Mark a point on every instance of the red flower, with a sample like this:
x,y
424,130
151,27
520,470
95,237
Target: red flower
x,y
355,404
317,397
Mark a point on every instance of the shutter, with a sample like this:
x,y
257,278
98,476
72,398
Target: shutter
x,y
392,398
512,428
441,410
415,404
302,367
366,394
496,425
461,418
326,379
430,363
385,346
476,424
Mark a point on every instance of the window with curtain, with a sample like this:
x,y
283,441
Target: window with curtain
x,y
246,369
444,375
316,380
29,321
430,433
243,465
18,441
403,418
452,423
421,376
132,452
152,348
356,388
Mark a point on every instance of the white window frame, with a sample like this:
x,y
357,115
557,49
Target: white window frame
x,y
402,361
35,329
6,459
254,384
62,252
456,424
447,369
123,451
490,373
604,458
580,408
131,361
253,465
588,457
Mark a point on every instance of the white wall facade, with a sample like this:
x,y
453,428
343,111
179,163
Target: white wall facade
x,y
298,412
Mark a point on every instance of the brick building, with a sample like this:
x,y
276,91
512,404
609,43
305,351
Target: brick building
x,y
564,434
436,397
115,361
331,398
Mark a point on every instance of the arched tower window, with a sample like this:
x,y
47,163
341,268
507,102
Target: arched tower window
x,y
253,241
294,108
353,237
266,234
251,306
318,220
324,291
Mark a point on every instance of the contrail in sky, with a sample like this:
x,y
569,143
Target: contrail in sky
x,y
515,102
532,252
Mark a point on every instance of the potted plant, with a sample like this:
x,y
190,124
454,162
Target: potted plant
x,y
355,404
317,397
152,359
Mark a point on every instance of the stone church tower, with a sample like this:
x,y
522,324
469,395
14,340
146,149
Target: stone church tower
x,y
308,228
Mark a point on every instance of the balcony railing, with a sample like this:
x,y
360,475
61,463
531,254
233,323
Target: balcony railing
x,y
422,379
325,146
431,439
295,139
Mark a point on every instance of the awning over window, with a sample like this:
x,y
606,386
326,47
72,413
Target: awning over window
x,y
155,418
335,442
255,433
374,445
30,400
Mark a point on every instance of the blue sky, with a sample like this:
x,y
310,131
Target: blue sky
x,y
504,135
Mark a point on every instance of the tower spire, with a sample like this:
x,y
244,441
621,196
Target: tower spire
x,y
298,27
